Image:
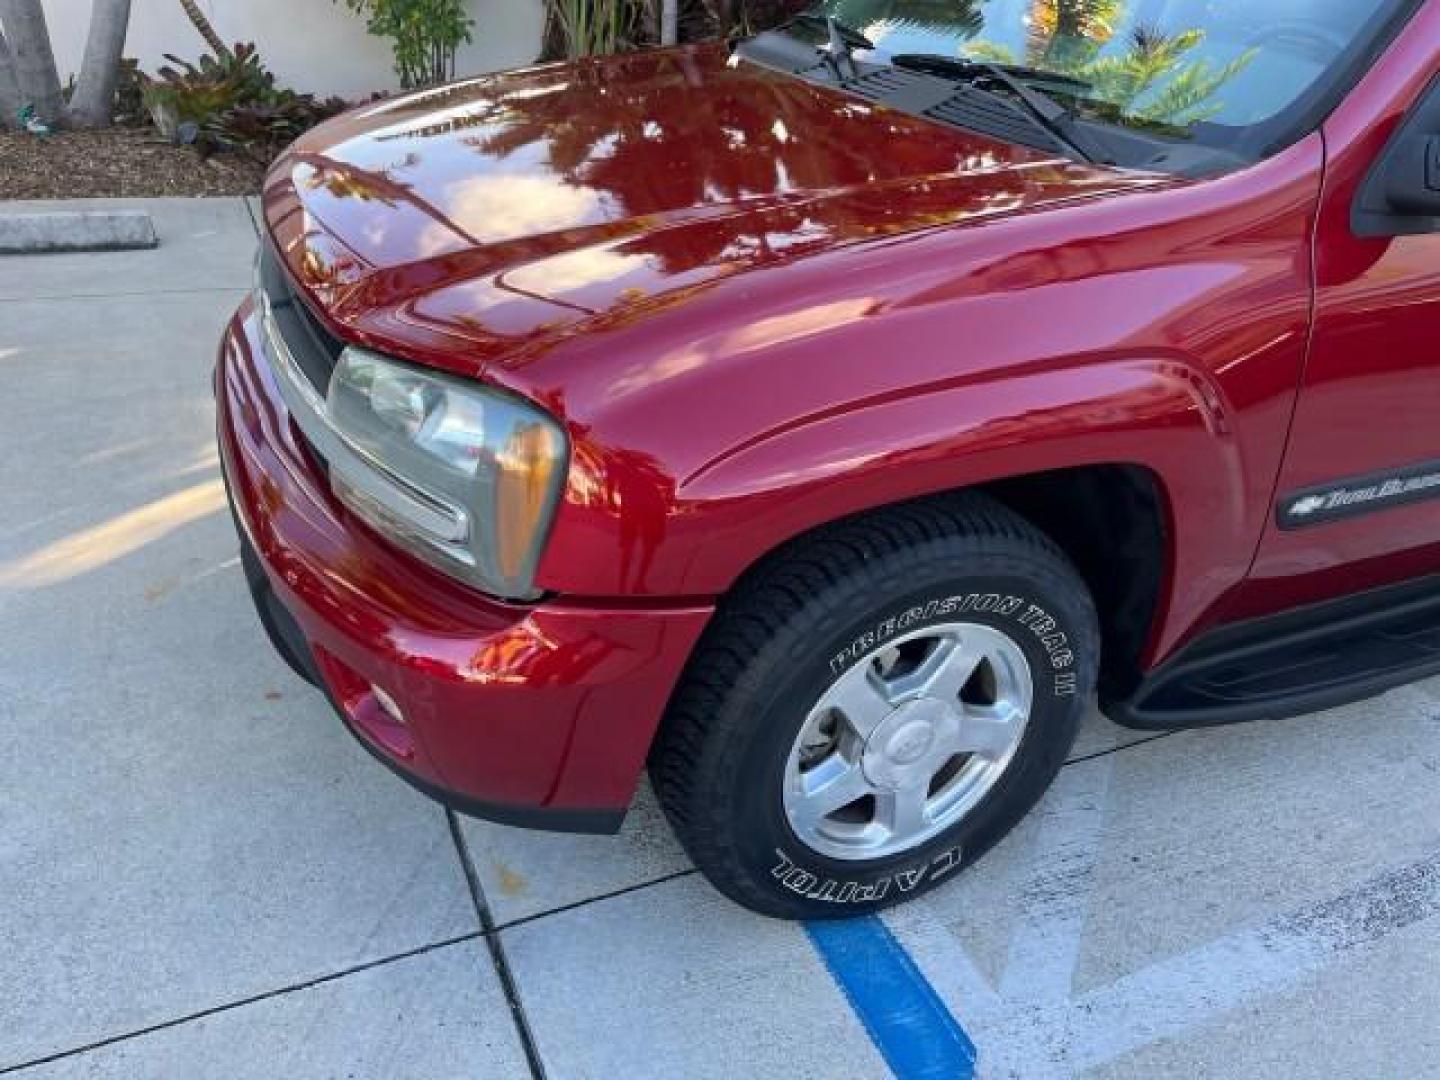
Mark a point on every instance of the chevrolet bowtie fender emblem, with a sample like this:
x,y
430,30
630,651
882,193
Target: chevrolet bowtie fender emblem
x,y
1361,495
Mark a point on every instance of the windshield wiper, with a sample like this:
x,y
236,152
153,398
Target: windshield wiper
x,y
838,52
948,65
1045,111
847,34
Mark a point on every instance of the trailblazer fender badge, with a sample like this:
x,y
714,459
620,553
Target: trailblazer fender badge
x,y
1361,495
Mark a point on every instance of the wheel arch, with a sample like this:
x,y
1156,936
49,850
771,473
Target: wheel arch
x,y
1110,520
1146,446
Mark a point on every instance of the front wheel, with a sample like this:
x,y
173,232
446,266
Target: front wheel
x,y
876,707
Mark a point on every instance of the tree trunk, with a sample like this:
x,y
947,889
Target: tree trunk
x,y
1069,20
94,102
201,23
9,86
669,22
726,15
24,22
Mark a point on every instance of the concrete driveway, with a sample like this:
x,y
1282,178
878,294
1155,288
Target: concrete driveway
x,y
202,875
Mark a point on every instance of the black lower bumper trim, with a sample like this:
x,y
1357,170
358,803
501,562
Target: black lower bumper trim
x,y
548,819
280,626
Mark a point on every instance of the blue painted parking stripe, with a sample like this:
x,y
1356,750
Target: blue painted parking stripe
x,y
907,1021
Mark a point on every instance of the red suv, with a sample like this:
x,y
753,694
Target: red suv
x,y
824,420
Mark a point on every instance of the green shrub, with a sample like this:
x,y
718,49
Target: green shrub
x,y
424,35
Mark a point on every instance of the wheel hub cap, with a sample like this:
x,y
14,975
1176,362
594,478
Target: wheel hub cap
x,y
897,754
908,741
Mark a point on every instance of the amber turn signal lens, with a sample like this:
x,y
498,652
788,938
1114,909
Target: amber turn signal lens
x,y
527,466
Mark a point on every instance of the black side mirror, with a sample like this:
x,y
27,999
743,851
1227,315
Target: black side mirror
x,y
1412,175
1401,196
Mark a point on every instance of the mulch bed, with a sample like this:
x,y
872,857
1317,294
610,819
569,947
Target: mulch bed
x,y
119,163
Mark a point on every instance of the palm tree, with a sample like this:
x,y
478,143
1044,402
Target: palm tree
x,y
202,24
93,103
962,18
1064,27
9,83
1153,80
34,61
1093,20
27,63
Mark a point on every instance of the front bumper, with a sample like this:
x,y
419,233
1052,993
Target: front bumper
x,y
533,715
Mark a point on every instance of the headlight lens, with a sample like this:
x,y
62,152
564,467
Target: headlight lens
x,y
466,477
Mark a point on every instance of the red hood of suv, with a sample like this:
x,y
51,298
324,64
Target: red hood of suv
x,y
503,210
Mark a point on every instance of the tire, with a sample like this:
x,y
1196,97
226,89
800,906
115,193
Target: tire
x,y
824,617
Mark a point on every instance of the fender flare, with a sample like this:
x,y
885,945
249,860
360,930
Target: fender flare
x,y
1161,414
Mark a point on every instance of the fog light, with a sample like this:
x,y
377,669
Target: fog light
x,y
387,704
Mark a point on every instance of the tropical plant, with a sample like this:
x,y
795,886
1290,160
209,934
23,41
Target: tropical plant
x,y
231,102
28,75
261,129
956,17
424,34
595,27
1154,80
182,97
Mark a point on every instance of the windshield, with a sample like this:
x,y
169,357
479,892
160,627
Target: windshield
x,y
1227,73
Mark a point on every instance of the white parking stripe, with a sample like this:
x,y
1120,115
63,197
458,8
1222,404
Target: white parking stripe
x,y
1056,900
1009,973
1171,997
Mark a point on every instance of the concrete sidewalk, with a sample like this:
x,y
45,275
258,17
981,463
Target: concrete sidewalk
x,y
204,876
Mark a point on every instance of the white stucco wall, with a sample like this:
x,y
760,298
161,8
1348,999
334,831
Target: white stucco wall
x,y
315,46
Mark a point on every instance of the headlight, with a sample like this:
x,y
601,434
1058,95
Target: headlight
x,y
465,477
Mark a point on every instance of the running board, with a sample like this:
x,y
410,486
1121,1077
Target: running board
x,y
1300,662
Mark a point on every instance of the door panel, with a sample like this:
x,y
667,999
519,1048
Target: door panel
x,y
1368,415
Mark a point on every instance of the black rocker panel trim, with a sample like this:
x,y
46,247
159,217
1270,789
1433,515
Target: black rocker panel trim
x,y
1302,661
1368,494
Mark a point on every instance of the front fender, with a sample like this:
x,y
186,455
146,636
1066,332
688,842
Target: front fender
x,y
1165,331
1159,414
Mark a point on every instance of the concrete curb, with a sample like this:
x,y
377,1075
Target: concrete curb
x,y
76,230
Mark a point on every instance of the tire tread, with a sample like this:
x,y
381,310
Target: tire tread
x,y
772,604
